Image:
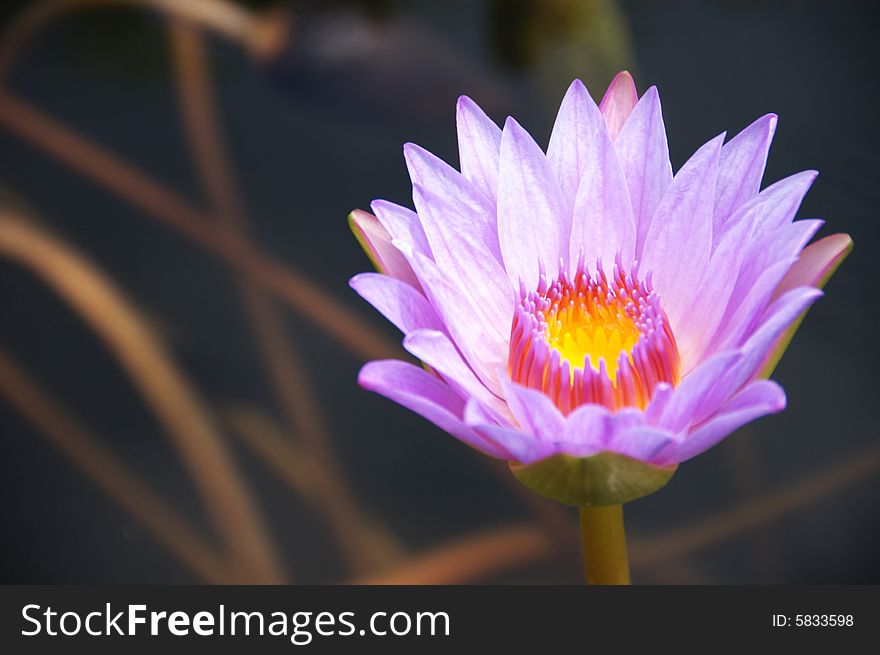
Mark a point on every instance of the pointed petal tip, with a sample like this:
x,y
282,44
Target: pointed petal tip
x,y
413,152
843,241
577,86
618,102
623,82
768,120
359,214
466,104
816,263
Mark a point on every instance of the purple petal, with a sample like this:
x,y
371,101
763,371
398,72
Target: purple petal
x,y
437,351
787,195
741,167
663,393
697,392
591,429
573,137
403,226
479,142
778,317
463,256
644,156
482,344
758,399
587,430
643,443
603,222
764,266
425,395
773,208
376,242
701,319
535,412
397,301
444,182
815,265
531,225
519,447
618,102
679,240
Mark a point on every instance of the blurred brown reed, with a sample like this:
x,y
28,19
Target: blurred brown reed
x,y
745,474
726,524
299,404
166,391
556,520
295,465
107,471
259,33
101,166
473,557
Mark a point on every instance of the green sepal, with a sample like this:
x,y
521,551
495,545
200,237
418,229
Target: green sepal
x,y
596,481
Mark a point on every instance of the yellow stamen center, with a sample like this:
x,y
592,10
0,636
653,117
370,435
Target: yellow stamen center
x,y
582,328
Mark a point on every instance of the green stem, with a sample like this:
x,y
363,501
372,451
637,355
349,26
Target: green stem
x,y
605,558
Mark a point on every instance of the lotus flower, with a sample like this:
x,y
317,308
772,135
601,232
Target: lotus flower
x,y
584,313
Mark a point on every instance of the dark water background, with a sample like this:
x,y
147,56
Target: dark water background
x,y
318,131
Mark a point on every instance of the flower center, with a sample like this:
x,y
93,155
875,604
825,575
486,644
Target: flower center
x,y
592,339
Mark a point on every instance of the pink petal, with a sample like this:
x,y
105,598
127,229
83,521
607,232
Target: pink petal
x,y
618,102
816,264
376,242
